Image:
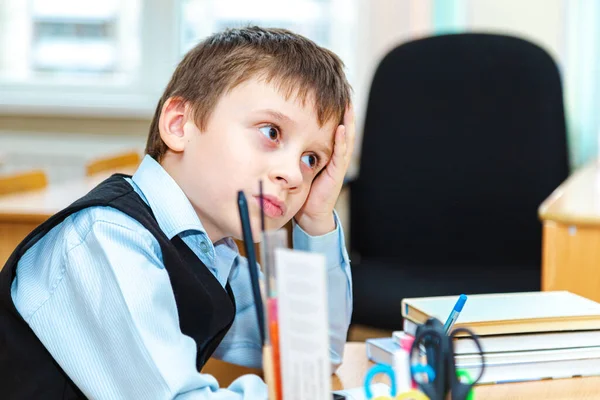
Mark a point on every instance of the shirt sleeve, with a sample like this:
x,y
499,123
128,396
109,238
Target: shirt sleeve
x,y
242,345
111,322
339,283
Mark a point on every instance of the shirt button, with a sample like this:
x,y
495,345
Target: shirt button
x,y
204,247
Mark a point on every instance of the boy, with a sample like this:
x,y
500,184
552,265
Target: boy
x,y
127,293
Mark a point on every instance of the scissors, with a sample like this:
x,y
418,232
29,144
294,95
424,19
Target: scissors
x,y
387,370
432,342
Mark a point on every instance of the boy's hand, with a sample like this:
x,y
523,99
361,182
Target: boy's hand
x,y
316,215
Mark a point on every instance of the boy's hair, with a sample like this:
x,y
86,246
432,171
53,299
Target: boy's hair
x,y
224,60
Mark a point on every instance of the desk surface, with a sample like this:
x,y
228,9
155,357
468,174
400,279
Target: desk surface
x,y
355,364
38,205
352,371
577,200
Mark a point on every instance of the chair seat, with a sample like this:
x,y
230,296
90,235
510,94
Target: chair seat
x,y
395,281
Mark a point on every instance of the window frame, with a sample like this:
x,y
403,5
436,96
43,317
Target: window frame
x,y
159,54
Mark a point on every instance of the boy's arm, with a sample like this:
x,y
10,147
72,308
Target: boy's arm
x,y
242,345
110,320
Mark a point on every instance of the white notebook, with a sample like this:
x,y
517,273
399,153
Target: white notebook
x,y
518,342
502,373
530,357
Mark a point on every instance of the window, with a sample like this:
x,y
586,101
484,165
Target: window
x,y
113,57
78,37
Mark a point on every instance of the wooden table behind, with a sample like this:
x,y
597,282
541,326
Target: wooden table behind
x,y
571,235
20,213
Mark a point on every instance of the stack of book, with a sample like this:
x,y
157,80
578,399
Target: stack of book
x,y
524,336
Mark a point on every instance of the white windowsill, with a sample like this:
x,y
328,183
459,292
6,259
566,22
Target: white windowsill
x,y
13,102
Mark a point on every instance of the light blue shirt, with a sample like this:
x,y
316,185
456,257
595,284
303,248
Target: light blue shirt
x,y
96,293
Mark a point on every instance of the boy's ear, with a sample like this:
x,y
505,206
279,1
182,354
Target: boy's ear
x,y
171,123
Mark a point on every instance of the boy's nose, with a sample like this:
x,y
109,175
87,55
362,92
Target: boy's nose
x,y
288,175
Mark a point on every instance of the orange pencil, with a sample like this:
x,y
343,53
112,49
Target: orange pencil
x,y
275,355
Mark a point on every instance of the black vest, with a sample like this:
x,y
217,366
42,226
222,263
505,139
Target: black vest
x,y
206,311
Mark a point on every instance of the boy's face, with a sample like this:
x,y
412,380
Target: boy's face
x,y
253,134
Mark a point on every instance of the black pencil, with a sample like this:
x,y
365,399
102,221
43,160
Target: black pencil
x,y
252,265
262,210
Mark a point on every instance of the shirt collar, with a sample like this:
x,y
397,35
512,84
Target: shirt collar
x,y
172,209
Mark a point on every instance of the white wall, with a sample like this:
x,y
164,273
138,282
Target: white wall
x,y
540,21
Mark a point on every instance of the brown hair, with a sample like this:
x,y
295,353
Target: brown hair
x,y
224,60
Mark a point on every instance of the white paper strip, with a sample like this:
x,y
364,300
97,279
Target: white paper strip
x,y
303,328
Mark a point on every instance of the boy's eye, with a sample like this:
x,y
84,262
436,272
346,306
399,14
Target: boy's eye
x,y
271,132
311,160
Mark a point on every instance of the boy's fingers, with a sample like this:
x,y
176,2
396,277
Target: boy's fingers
x,y
343,145
350,124
343,141
339,147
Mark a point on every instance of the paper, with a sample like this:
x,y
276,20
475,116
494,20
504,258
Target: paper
x,y
303,325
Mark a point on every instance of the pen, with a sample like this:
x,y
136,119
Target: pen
x,y
455,313
249,246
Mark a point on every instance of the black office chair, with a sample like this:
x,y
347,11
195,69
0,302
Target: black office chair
x,y
464,138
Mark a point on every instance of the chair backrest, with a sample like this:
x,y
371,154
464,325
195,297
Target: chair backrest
x,y
464,137
23,181
114,162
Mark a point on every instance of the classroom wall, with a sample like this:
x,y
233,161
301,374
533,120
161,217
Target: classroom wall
x,y
540,21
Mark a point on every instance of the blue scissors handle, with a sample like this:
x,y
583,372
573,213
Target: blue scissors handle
x,y
380,369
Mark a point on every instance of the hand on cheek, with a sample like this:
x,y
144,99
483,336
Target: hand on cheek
x,y
316,215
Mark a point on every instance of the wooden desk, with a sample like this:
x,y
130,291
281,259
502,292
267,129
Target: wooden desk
x,y
571,235
353,369
20,213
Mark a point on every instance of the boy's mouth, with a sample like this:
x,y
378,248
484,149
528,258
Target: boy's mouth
x,y
271,205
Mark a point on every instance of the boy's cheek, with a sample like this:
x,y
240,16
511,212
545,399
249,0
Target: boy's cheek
x,y
300,201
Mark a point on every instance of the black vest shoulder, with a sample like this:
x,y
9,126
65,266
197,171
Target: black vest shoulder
x,y
206,310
